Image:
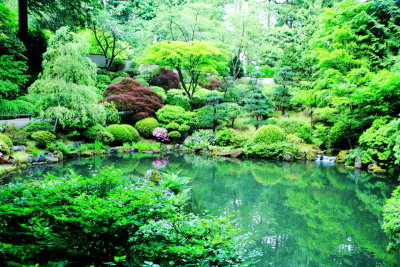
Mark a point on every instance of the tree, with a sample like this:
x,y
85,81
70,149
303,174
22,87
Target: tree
x,y
166,79
189,59
284,79
129,95
66,88
215,110
112,36
258,105
233,111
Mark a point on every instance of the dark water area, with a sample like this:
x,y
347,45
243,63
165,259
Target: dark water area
x,y
298,214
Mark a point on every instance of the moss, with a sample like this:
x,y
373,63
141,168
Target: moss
x,y
376,169
341,157
87,153
311,155
21,156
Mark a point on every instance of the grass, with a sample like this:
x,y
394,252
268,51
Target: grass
x,y
146,145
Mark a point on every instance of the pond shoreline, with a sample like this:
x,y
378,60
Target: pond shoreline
x,y
48,158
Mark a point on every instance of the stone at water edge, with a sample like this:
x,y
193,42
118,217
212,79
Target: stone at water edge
x,y
288,157
52,160
358,162
41,158
152,175
341,157
19,148
187,141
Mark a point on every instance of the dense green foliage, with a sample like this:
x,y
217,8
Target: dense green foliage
x,y
99,133
105,218
268,134
391,224
123,133
43,138
146,126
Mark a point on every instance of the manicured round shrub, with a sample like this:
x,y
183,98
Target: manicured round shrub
x,y
6,144
177,101
43,138
169,114
146,126
119,132
159,90
172,126
98,133
35,126
268,134
184,128
133,132
290,126
174,134
24,107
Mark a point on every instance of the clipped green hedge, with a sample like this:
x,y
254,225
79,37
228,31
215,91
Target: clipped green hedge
x,y
123,133
146,126
43,138
35,126
175,134
98,133
6,144
290,126
268,134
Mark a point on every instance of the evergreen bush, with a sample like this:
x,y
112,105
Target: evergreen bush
x,y
146,126
268,134
43,138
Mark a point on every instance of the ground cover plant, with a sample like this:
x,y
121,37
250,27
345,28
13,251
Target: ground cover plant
x,y
104,219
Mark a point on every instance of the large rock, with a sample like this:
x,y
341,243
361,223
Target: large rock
x,y
153,176
52,160
288,157
374,168
19,148
237,152
41,158
341,157
187,141
311,155
358,162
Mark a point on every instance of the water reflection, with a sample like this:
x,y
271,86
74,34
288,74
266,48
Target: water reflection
x,y
298,213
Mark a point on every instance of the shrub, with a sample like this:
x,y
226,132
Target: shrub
x,y
118,64
378,142
103,81
18,135
52,217
174,134
35,126
24,107
8,108
132,131
290,126
43,138
128,94
294,139
268,134
202,138
176,101
391,217
146,126
275,151
6,144
99,133
325,115
169,114
267,71
172,126
161,134
122,134
165,79
184,128
228,137
212,84
160,91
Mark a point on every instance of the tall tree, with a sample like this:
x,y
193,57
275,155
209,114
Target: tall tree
x,y
189,59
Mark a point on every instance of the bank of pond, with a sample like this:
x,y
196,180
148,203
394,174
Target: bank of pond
x,y
289,213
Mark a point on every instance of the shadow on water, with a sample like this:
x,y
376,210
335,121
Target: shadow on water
x,y
298,214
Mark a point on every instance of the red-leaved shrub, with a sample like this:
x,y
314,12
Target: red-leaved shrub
x,y
212,84
129,95
166,79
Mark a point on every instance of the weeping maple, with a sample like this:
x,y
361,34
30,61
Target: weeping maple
x,y
130,95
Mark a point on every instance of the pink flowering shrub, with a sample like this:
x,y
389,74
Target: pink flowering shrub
x,y
161,134
160,163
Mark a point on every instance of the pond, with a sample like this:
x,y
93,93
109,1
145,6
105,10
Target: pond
x,y
298,214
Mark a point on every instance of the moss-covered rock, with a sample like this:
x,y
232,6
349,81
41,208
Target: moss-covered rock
x,y
341,157
311,155
153,176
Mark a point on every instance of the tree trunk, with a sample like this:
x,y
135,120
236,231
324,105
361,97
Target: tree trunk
x,y
23,21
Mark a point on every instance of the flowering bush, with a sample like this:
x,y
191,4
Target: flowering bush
x,y
161,134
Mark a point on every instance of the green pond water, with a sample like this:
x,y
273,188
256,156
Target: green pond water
x,y
298,214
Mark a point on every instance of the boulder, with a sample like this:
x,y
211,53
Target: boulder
x,y
205,149
153,176
187,141
341,157
19,148
41,158
52,160
112,150
237,152
358,162
311,155
374,168
87,153
301,156
288,157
